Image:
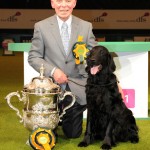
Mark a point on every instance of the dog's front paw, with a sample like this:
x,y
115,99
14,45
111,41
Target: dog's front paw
x,y
82,144
106,147
113,144
134,139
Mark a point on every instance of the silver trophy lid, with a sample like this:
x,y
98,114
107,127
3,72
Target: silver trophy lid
x,y
41,84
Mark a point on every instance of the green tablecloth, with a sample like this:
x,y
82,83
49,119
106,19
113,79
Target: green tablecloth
x,y
112,46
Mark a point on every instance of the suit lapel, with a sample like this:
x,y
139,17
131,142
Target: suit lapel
x,y
57,36
74,33
56,33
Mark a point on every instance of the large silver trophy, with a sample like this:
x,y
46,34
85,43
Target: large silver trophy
x,y
41,98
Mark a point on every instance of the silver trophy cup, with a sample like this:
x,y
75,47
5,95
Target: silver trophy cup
x,y
40,100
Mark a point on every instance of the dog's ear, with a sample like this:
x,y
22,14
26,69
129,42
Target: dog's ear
x,y
112,66
87,69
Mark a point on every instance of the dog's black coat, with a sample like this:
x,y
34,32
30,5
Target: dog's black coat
x,y
108,118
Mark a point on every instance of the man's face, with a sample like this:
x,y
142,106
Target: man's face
x,y
63,8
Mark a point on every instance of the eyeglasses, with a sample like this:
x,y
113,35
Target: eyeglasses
x,y
61,1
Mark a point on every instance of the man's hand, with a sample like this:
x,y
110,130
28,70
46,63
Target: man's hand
x,y
60,77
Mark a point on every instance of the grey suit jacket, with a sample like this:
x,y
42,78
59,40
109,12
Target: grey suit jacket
x,y
47,49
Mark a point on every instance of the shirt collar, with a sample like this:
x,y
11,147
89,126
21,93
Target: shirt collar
x,y
60,22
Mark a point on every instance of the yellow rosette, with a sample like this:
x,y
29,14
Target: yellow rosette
x,y
80,51
42,139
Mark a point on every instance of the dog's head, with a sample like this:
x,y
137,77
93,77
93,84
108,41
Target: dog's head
x,y
100,60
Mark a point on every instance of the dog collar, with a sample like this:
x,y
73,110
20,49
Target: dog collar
x,y
107,84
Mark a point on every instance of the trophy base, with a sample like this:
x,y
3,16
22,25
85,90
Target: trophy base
x,y
42,139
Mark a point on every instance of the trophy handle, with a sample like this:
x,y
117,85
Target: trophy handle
x,y
61,97
8,98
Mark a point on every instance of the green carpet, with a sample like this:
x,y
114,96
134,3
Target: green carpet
x,y
13,135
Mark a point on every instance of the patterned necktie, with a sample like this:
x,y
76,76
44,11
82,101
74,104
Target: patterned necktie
x,y
65,36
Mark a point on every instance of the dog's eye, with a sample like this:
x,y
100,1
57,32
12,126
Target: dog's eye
x,y
93,61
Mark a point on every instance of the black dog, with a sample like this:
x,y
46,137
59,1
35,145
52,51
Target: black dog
x,y
108,118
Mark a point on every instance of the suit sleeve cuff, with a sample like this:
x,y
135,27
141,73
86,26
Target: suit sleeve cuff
x,y
52,72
